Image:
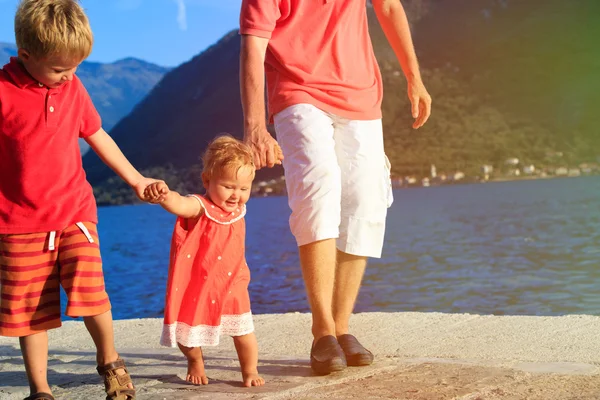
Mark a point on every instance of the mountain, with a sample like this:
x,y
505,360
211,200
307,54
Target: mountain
x,y
536,60
115,88
182,113
508,78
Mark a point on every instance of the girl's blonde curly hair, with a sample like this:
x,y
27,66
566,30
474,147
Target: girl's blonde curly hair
x,y
225,152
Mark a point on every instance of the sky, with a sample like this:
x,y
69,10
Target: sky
x,y
164,32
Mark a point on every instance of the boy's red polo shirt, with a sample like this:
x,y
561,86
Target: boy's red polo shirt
x,y
319,53
42,181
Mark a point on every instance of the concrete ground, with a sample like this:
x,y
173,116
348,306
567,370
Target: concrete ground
x,y
419,356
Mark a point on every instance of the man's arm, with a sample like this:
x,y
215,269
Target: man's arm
x,y
252,88
393,20
111,155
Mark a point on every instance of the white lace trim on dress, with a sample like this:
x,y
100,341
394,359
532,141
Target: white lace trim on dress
x,y
206,335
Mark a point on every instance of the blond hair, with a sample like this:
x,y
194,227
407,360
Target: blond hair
x,y
53,27
226,152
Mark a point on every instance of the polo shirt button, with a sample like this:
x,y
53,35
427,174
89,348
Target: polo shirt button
x,y
213,302
51,109
40,84
229,274
219,258
189,256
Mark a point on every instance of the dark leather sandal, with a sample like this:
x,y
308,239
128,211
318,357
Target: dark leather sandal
x,y
356,354
115,385
326,356
40,396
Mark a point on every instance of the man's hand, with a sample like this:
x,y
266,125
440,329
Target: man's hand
x,y
420,102
153,195
393,20
252,90
266,151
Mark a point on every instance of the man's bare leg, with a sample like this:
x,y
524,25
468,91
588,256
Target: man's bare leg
x,y
318,269
348,277
318,262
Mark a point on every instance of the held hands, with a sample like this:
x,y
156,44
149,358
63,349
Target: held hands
x,y
266,151
156,192
140,187
420,102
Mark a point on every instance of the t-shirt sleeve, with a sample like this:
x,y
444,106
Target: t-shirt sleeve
x,y
90,119
259,17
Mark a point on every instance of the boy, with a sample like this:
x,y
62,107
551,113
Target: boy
x,y
48,235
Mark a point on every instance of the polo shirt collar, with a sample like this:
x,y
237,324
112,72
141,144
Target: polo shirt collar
x,y
19,74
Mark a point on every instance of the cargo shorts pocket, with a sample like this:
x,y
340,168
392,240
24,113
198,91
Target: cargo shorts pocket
x,y
388,181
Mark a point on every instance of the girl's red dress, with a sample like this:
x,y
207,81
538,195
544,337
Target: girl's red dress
x,y
207,288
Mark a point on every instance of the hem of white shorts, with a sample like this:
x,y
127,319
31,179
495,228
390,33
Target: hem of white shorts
x,y
357,250
313,237
206,335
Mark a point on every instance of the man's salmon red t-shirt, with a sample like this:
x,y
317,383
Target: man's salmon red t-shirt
x,y
319,53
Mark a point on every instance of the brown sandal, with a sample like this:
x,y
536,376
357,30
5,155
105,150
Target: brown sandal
x,y
40,396
115,384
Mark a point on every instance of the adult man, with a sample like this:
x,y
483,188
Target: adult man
x,y
325,92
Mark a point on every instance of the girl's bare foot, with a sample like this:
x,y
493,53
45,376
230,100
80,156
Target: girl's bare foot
x,y
247,350
252,379
195,373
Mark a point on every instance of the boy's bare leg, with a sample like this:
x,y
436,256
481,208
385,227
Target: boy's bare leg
x,y
318,262
247,350
35,356
348,277
100,328
195,372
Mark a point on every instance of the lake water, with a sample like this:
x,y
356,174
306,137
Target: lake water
x,y
518,248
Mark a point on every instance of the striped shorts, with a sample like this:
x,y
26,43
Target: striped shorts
x,y
34,266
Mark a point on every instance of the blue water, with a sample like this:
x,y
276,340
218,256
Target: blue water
x,y
518,248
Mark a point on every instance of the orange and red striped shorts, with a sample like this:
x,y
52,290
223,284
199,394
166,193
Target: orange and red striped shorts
x,y
34,266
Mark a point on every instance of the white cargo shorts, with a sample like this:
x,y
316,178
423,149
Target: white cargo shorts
x,y
337,177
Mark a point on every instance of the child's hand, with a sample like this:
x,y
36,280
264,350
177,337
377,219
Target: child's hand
x,y
140,187
156,192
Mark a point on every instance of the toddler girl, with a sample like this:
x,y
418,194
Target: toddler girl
x,y
207,288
